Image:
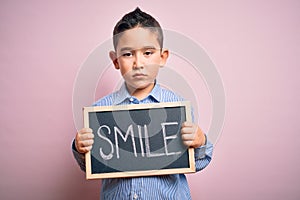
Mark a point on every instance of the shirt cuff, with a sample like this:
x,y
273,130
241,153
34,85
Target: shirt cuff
x,y
200,151
76,153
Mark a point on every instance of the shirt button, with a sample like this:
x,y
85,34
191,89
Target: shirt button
x,y
135,196
131,99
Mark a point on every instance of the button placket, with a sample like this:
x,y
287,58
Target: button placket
x,y
135,188
135,196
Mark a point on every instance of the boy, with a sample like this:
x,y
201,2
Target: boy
x,y
139,53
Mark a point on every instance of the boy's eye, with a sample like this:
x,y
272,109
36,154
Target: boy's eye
x,y
148,53
127,54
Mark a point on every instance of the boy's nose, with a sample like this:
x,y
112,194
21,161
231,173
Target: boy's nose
x,y
138,61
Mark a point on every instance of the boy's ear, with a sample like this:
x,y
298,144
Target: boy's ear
x,y
114,59
163,57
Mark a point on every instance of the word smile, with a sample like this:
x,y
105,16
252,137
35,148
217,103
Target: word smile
x,y
145,151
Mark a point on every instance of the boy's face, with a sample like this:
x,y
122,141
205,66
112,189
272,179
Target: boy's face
x,y
139,56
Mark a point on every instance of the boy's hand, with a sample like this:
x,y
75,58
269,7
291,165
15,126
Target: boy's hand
x,y
192,135
84,140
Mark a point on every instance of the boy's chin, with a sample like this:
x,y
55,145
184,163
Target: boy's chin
x,y
140,86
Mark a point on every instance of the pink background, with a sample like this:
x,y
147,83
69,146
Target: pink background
x,y
254,44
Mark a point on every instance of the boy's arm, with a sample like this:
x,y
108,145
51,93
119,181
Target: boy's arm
x,y
79,157
82,144
193,136
203,155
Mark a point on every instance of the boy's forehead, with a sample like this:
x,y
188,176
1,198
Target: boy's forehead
x,y
138,38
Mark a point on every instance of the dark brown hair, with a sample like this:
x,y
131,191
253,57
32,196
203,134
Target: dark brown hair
x,y
137,18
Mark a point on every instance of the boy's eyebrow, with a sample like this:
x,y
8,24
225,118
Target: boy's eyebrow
x,y
130,48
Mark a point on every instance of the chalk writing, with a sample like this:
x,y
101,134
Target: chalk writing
x,y
118,134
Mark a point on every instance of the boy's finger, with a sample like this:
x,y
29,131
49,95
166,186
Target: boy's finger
x,y
88,148
188,143
87,136
87,143
82,146
85,130
187,137
187,130
187,124
85,149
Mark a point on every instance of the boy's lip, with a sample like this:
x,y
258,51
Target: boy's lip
x,y
139,75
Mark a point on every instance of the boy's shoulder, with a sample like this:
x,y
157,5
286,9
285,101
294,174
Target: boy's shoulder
x,y
106,100
168,95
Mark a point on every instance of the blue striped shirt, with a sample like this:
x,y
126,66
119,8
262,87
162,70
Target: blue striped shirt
x,y
173,187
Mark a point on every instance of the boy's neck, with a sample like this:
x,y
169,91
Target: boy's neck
x,y
140,93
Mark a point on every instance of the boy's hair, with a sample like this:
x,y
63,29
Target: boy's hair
x,y
137,18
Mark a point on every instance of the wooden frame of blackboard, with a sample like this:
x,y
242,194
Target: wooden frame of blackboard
x,y
190,166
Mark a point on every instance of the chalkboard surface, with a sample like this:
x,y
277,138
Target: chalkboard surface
x,y
138,140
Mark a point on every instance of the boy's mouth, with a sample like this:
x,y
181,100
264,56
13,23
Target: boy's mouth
x,y
139,75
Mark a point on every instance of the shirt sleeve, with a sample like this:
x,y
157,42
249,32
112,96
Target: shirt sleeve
x,y
203,155
79,157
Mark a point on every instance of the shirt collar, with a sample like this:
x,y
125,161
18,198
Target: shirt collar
x,y
122,94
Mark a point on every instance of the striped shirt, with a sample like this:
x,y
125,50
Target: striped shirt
x,y
173,187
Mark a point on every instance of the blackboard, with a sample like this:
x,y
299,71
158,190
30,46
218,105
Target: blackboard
x,y
138,140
